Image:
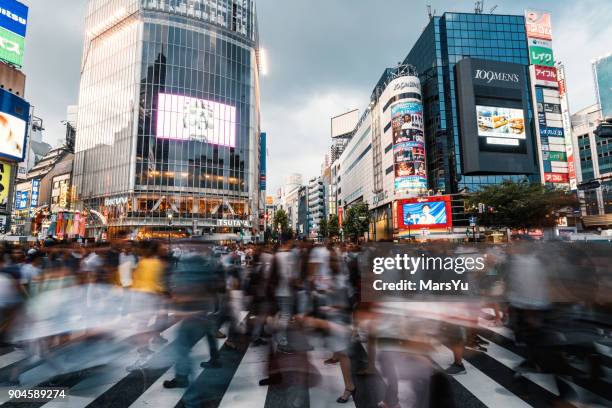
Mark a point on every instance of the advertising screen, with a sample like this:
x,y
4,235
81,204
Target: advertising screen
x,y
12,136
184,118
500,126
409,147
427,212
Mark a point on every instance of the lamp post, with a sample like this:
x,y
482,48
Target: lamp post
x,y
170,216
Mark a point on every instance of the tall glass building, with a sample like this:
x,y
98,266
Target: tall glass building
x,y
168,121
446,40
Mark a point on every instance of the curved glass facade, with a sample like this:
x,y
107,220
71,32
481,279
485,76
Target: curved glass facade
x,y
174,111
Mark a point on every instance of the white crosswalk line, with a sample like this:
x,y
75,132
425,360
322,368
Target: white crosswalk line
x,y
11,358
158,396
479,384
331,385
88,390
512,360
244,391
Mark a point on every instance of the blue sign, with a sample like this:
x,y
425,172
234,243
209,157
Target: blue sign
x,y
14,117
22,200
550,131
35,190
14,16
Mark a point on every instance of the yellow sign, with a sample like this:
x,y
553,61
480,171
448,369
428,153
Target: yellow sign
x,y
5,184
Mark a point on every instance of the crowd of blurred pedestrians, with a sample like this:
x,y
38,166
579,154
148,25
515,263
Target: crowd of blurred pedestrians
x,y
555,299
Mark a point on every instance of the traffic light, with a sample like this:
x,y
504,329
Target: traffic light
x,y
589,185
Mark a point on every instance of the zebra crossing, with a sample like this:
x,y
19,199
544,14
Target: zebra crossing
x,y
488,382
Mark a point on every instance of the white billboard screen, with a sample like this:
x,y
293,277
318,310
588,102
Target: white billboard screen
x,y
12,136
181,117
344,124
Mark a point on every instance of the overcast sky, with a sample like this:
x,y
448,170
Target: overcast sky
x,y
325,56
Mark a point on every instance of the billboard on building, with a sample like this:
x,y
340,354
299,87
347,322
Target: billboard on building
x,y
5,185
424,212
409,147
344,124
538,24
500,126
14,115
13,25
182,117
492,105
21,202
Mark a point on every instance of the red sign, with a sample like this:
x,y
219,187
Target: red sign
x,y
556,178
548,74
538,24
424,212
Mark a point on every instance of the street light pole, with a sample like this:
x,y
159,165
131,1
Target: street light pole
x,y
170,216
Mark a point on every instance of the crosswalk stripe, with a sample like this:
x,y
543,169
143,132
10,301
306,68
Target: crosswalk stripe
x,y
479,384
244,391
11,358
88,390
157,395
331,385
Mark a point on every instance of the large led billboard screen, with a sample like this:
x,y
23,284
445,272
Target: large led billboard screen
x,y
409,147
14,113
499,126
182,117
425,212
494,120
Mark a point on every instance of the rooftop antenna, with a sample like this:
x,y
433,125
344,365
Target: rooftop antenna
x,y
430,13
479,7
493,9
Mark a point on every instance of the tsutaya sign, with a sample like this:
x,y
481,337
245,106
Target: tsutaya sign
x,y
233,223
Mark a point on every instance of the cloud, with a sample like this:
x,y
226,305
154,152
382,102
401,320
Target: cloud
x,y
582,32
298,131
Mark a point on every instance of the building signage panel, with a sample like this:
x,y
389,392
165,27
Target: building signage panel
x,y
549,131
541,56
538,24
556,177
14,16
546,76
233,223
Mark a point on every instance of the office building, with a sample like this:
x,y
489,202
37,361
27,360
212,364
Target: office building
x,y
316,205
595,166
168,119
602,70
447,40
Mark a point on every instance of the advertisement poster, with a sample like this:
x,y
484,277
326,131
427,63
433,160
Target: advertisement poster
x,y
22,200
538,24
184,118
12,136
541,56
556,177
5,184
409,147
13,24
546,76
500,126
425,212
